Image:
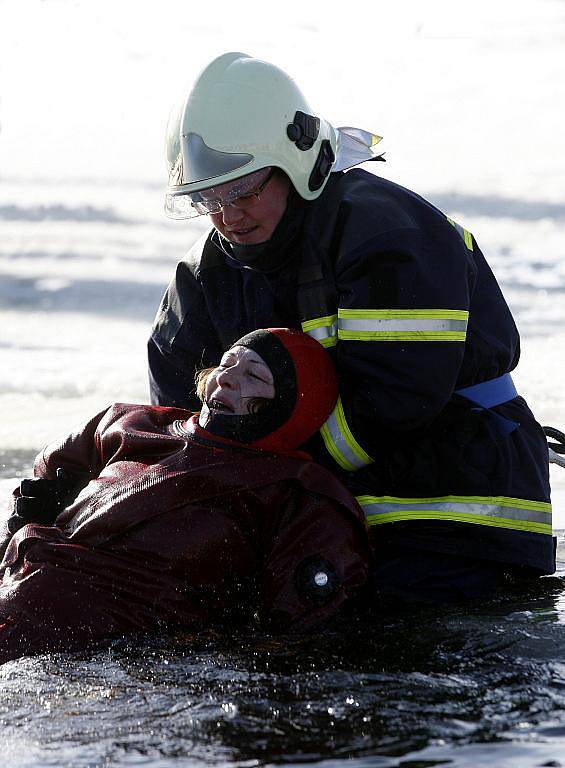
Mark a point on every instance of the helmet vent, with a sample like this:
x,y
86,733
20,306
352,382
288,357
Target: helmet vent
x,y
304,130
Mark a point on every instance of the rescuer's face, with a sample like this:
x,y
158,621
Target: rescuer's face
x,y
240,385
255,221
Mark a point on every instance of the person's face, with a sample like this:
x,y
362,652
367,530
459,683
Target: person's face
x,y
257,223
238,386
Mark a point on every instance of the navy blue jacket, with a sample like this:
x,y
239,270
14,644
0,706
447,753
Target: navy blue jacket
x,y
404,299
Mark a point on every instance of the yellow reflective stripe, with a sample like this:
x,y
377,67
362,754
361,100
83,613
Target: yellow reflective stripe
x,y
333,451
318,322
512,525
340,443
510,502
497,511
466,236
323,329
503,501
402,336
455,314
402,324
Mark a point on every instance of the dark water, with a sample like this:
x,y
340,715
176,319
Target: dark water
x,y
474,686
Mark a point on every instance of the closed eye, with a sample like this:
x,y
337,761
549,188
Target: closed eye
x,y
254,376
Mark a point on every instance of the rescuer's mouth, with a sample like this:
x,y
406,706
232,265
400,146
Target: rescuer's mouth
x,y
241,234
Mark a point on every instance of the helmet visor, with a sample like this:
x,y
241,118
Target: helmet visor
x,y
242,192
201,162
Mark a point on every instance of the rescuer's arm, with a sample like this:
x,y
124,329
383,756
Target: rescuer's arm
x,y
182,342
403,312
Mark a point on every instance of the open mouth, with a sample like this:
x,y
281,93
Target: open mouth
x,y
241,232
217,405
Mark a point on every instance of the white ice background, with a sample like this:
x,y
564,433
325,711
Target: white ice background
x,y
469,96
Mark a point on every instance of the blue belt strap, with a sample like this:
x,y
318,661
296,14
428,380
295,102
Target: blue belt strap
x,y
490,393
487,394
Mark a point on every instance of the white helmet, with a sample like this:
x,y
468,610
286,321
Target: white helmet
x,y
243,115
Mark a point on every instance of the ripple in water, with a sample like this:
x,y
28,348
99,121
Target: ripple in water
x,y
408,690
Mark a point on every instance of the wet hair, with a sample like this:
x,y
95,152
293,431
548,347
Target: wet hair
x,y
201,380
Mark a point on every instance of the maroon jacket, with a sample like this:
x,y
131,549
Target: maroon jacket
x,y
173,524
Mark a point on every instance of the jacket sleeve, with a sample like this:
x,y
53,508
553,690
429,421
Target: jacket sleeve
x,y
79,453
182,340
403,307
318,560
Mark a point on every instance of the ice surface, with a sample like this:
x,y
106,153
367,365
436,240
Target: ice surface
x,y
469,102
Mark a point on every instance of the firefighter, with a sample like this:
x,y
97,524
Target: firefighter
x,y
429,432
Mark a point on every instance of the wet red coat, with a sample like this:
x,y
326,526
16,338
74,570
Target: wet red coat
x,y
171,527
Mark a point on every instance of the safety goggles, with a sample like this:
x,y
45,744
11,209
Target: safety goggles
x,y
242,193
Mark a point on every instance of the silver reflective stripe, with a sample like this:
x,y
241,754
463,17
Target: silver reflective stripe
x,y
322,333
323,329
498,511
397,324
340,443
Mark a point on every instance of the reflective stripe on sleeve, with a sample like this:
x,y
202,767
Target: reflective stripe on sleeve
x,y
497,511
340,443
466,236
402,324
323,329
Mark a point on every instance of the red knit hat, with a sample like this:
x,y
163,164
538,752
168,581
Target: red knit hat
x,y
306,391
315,391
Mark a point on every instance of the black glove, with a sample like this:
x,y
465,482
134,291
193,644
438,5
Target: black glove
x,y
556,450
40,500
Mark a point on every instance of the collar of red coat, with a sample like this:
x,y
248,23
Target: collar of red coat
x,y
194,431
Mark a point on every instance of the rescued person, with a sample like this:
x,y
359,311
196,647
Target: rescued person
x,y
154,517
